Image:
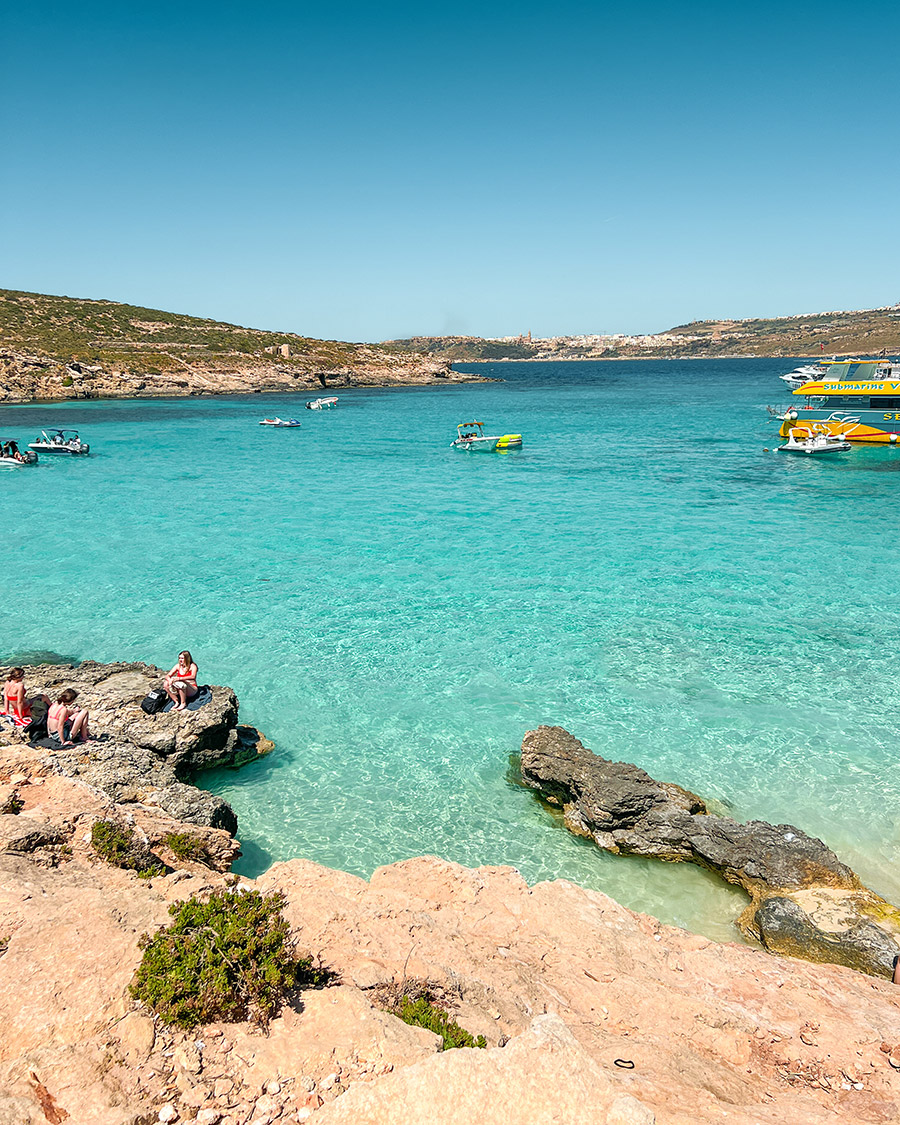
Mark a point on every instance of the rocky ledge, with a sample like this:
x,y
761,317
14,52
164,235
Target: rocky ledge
x,y
590,1012
804,901
142,759
35,378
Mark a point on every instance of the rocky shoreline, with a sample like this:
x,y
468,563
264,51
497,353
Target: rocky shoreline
x,y
37,378
803,901
589,1010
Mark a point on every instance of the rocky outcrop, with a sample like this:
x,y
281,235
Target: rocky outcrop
x,y
32,378
148,759
804,901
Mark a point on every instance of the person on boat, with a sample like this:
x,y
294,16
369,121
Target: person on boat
x,y
12,450
14,703
181,682
67,724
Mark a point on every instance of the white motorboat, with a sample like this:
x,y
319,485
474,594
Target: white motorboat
x,y
11,455
804,374
813,441
288,422
322,404
472,438
65,442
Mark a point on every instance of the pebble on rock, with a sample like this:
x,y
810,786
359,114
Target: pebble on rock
x,y
168,1114
267,1106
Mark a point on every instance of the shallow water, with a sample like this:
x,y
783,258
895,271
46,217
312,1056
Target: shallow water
x,y
396,614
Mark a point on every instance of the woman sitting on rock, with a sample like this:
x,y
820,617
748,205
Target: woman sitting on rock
x,y
181,682
14,703
66,723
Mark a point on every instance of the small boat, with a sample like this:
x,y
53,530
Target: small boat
x,y
60,441
471,437
289,422
804,374
813,440
10,454
321,404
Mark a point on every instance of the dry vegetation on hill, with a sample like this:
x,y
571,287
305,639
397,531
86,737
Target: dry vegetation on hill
x,y
66,347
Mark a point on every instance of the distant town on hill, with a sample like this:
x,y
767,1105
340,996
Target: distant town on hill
x,y
865,331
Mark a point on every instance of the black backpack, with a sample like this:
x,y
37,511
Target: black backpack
x,y
154,701
37,728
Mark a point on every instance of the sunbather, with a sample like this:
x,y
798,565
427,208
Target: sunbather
x,y
14,703
181,682
66,723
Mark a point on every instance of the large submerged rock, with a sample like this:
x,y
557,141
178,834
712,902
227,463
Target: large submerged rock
x,y
148,759
804,901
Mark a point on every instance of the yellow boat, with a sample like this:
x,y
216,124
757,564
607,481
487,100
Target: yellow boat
x,y
472,438
856,399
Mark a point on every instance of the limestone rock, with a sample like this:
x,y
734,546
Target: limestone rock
x,y
137,1034
627,812
23,834
334,1023
541,1076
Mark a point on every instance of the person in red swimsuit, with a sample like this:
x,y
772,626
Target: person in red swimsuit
x,y
14,703
181,682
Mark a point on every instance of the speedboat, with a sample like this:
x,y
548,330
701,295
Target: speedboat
x,y
813,440
801,375
10,454
472,438
321,404
60,441
289,422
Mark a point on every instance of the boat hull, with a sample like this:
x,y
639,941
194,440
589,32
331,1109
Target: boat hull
x,y
489,444
869,427
56,451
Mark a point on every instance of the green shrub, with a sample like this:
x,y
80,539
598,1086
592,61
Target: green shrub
x,y
422,1013
225,957
68,381
186,846
116,843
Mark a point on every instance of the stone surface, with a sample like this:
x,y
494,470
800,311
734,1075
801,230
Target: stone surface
x,y
541,1076
136,1035
805,902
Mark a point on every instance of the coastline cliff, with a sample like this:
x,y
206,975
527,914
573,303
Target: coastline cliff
x,y
588,1010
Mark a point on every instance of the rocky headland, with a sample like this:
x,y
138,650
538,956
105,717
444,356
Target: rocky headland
x,y
54,348
590,1011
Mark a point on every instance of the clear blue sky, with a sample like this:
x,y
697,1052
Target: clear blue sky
x,y
368,171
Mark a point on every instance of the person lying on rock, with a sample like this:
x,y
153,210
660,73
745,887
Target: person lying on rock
x,y
67,724
181,682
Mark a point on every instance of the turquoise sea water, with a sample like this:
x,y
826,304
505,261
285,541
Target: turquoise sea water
x,y
396,614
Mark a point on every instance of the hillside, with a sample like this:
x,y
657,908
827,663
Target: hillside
x,y
66,347
867,331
